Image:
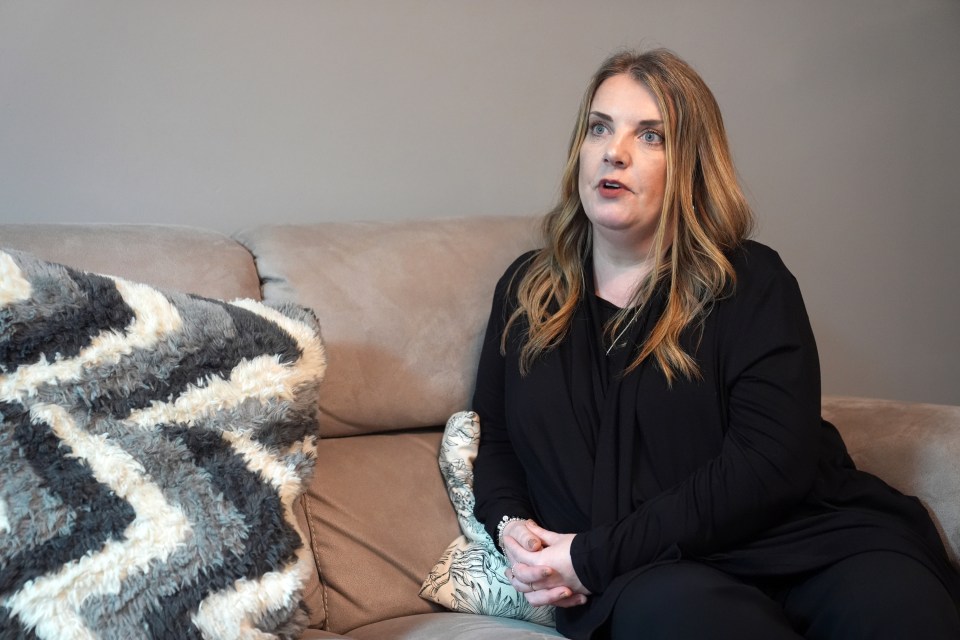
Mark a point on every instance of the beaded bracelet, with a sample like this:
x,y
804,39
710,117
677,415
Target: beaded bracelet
x,y
501,525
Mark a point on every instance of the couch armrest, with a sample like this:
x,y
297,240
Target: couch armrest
x,y
913,447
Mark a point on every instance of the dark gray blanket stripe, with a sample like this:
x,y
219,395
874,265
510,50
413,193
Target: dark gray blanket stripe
x,y
11,629
272,544
252,337
295,426
100,514
275,542
259,336
70,328
217,529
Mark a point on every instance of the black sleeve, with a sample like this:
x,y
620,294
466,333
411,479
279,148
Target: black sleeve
x,y
500,484
769,455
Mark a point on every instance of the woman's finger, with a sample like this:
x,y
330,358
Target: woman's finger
x,y
532,574
515,552
521,532
543,597
575,600
518,584
544,535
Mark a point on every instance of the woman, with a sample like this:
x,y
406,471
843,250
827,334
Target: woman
x,y
652,458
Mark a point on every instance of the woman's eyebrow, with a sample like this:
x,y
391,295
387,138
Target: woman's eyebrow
x,y
642,123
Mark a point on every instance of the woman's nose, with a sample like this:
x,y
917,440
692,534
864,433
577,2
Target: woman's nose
x,y
615,154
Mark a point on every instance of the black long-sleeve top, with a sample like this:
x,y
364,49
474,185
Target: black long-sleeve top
x,y
735,468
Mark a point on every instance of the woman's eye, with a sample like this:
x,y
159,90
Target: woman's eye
x,y
598,128
651,137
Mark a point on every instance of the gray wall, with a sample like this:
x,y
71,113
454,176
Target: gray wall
x,y
843,118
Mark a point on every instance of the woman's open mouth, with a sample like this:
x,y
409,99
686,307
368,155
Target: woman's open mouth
x,y
611,188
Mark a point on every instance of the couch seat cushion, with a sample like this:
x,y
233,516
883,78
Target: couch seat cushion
x,y
378,517
453,626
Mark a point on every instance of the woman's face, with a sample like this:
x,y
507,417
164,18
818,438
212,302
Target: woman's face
x,y
623,166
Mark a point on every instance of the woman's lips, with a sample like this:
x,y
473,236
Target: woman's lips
x,y
611,188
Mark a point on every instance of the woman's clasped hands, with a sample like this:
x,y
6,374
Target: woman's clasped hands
x,y
540,565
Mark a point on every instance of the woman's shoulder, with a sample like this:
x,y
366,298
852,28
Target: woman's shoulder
x,y
753,255
521,263
757,262
505,291
516,269
759,269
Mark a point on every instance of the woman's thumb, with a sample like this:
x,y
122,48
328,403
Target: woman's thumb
x,y
549,537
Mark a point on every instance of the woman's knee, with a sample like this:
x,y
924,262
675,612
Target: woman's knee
x,y
690,600
871,595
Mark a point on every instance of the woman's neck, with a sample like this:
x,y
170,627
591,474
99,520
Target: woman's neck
x,y
618,274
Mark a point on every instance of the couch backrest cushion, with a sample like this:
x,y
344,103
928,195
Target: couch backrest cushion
x,y
402,306
173,258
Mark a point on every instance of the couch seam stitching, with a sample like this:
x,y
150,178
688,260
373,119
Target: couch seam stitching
x,y
316,562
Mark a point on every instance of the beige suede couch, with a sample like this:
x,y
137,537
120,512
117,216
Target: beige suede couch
x,y
402,307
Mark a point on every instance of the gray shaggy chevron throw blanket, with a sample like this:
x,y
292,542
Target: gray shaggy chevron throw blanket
x,y
151,447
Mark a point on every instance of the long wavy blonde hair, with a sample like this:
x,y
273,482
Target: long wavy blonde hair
x,y
704,215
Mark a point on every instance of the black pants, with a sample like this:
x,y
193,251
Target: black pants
x,y
873,595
